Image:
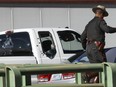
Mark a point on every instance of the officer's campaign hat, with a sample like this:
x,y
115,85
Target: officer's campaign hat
x,y
101,8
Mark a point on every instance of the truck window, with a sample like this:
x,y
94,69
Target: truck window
x,y
70,41
47,43
15,44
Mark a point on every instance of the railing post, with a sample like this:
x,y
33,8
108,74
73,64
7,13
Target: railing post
x,y
26,80
110,74
13,77
2,75
2,81
78,78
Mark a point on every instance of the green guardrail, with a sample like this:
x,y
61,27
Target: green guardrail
x,y
67,85
2,71
20,75
2,75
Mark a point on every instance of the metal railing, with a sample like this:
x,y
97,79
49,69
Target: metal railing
x,y
20,75
66,85
2,75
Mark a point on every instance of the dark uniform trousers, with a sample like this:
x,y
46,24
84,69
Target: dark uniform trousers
x,y
95,52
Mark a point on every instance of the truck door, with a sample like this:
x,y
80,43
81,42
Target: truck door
x,y
48,47
69,44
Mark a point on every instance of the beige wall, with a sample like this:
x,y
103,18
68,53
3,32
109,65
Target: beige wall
x,y
76,18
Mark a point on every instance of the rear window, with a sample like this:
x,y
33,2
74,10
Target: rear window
x,y
15,44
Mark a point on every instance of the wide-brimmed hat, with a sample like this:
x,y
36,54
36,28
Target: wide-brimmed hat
x,y
101,8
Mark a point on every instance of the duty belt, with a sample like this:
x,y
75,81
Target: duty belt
x,y
98,44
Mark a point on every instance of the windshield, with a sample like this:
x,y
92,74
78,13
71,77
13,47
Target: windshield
x,y
70,41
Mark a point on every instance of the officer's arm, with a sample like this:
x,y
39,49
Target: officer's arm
x,y
106,28
83,38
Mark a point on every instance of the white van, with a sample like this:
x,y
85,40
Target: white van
x,y
40,46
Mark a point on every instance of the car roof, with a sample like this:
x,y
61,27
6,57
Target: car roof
x,y
31,29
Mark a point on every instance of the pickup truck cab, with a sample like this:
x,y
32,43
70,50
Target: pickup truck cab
x,y
40,46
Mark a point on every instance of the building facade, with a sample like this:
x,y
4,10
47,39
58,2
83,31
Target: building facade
x,y
74,14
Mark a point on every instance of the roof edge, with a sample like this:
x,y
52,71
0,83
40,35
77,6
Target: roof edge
x,y
59,1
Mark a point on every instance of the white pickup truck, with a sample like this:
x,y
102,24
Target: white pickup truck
x,y
40,46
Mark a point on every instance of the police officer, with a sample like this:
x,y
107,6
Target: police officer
x,y
93,37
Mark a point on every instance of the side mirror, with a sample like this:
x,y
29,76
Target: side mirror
x,y
51,53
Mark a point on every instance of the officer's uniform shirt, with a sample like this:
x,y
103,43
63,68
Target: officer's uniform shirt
x,y
95,30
